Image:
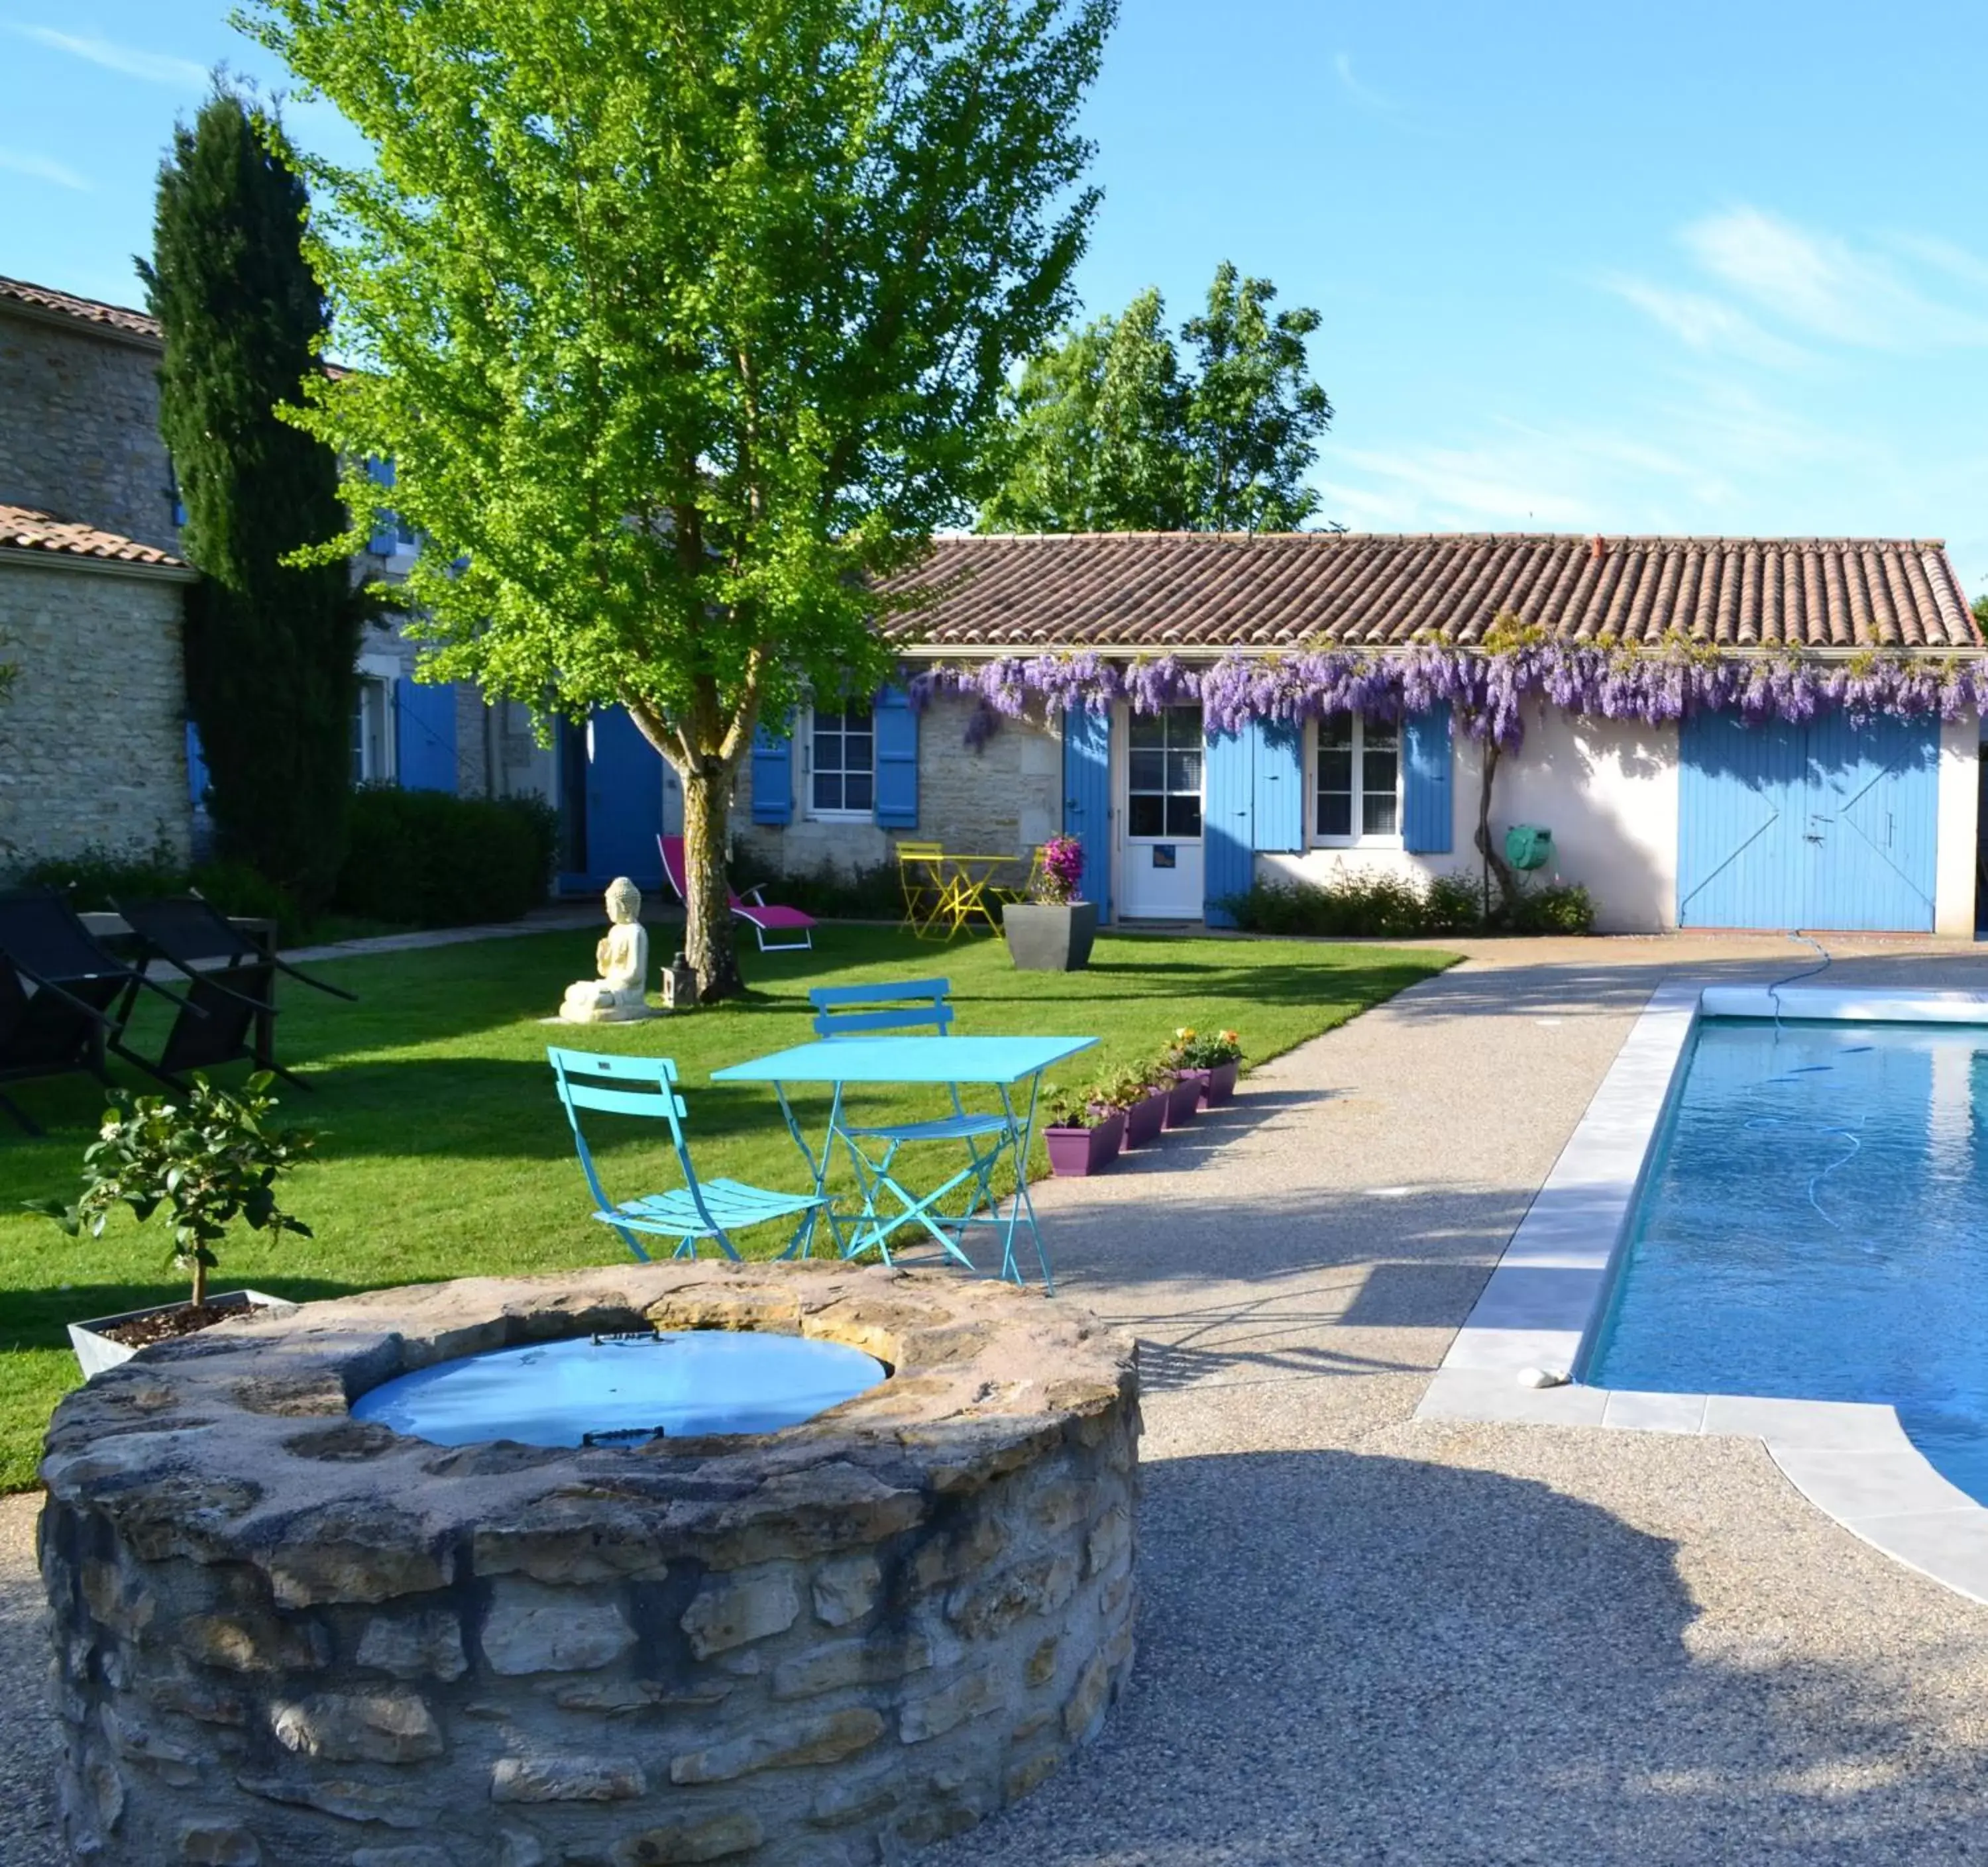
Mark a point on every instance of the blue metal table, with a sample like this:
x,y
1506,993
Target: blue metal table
x,y
1003,1064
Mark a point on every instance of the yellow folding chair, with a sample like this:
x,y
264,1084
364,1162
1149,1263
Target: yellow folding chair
x,y
921,876
1005,892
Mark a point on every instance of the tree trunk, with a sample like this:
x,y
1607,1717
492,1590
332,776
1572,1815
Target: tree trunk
x,y
1494,863
199,1279
709,942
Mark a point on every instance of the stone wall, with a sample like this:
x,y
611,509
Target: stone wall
x,y
79,428
286,1636
92,736
1005,795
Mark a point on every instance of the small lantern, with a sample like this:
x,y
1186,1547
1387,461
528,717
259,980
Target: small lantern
x,y
679,985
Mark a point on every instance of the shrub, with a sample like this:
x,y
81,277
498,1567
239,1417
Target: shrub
x,y
96,874
234,888
830,893
426,858
1560,907
1396,907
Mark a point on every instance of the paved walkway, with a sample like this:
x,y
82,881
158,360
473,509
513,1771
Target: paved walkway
x,y
1365,1640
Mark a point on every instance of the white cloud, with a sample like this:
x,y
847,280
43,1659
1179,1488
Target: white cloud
x,y
1360,94
153,67
43,168
1825,285
1705,323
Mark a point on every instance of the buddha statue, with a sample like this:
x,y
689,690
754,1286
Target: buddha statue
x,y
619,994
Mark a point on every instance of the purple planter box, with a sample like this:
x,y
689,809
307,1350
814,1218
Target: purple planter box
x,y
1143,1120
1182,1100
1218,1083
1076,1152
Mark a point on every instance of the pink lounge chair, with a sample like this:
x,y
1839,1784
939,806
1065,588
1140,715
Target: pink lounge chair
x,y
761,917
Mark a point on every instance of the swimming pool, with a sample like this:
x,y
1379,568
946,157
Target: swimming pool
x,y
1813,1224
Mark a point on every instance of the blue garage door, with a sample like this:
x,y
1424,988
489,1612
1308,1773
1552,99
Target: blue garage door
x,y
1830,824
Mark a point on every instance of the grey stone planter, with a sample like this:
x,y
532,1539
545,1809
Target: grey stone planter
x,y
96,1352
1045,939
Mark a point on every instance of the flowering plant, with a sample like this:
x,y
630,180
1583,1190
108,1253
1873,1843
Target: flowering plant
x,y
1063,871
1191,1051
1083,1108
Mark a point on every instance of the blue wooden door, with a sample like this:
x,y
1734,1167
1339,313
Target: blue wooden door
x,y
1874,823
1087,798
1828,824
624,802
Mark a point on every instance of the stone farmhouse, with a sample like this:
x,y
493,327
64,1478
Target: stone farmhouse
x,y
1841,821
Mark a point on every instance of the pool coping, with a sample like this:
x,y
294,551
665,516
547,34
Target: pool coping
x,y
1852,1460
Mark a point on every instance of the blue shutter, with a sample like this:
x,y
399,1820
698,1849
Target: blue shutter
x,y
1229,821
1087,798
424,734
1426,781
1279,786
385,526
897,728
197,779
773,776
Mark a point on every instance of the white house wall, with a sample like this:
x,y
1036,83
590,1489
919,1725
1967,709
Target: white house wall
x,y
1607,789
1960,807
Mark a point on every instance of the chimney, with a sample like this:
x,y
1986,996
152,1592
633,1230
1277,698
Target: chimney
x,y
1598,549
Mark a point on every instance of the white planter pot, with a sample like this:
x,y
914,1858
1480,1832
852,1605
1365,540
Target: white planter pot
x,y
96,1352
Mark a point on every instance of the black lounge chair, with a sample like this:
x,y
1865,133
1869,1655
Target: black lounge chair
x,y
64,999
231,1008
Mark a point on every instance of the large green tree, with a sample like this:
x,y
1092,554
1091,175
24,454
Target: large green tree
x,y
1110,431
270,644
682,320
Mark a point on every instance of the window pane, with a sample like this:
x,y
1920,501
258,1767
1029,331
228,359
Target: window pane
x,y
1147,771
827,749
856,791
1379,765
828,790
1335,813
1184,727
1147,729
1145,814
857,749
1381,814
1336,730
1184,771
1183,816
1335,768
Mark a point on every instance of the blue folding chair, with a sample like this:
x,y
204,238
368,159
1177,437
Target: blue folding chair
x,y
699,1209
907,1005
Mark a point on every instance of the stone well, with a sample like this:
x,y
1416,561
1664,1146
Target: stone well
x,y
286,1636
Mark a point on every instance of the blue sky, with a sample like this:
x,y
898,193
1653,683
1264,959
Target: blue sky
x,y
1642,268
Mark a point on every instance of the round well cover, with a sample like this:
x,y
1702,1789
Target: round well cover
x,y
617,1390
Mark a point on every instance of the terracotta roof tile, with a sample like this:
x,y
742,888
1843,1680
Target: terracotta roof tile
x,y
23,529
1203,592
120,318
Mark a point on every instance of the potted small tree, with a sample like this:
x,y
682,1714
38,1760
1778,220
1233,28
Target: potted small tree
x,y
1054,932
1211,1061
209,1160
1083,1131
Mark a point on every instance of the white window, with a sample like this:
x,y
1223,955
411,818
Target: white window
x,y
373,731
841,745
1163,774
1357,791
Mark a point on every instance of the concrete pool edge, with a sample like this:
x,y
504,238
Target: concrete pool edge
x,y
1852,1460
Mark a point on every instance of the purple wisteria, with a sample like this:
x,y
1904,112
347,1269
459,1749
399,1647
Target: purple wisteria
x,y
1487,689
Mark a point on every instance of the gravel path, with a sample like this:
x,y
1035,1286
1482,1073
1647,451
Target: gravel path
x,y
1365,1640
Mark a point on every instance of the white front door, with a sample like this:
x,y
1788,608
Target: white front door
x,y
1160,872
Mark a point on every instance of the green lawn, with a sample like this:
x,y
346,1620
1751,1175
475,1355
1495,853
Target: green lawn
x,y
442,1151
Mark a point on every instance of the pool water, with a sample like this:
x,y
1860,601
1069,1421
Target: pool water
x,y
1814,1226
624,1390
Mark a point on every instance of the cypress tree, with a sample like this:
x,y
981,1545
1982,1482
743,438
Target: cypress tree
x,y
270,647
